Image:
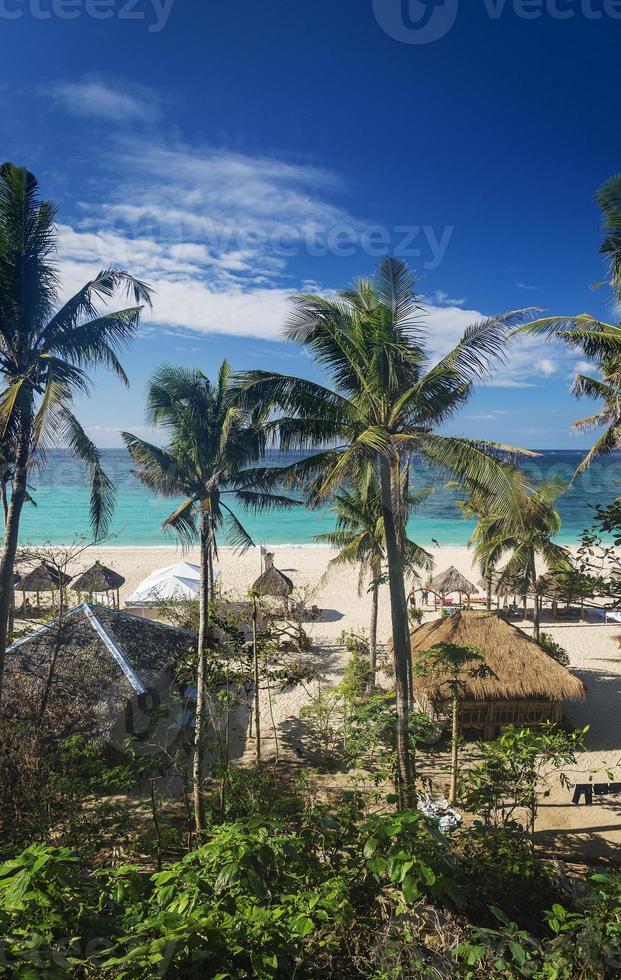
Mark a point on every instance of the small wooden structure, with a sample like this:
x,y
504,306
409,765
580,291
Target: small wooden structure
x,y
273,582
450,582
44,578
524,687
99,580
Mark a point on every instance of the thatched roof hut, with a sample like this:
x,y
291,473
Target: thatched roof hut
x,y
100,660
451,581
273,582
524,686
43,578
99,580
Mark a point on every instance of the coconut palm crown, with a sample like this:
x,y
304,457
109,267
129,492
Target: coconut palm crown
x,y
46,351
212,444
526,540
600,342
385,401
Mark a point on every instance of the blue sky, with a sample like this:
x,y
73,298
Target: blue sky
x,y
234,153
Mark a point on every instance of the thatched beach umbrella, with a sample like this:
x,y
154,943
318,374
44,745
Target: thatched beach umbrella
x,y
43,578
99,580
522,685
451,581
273,582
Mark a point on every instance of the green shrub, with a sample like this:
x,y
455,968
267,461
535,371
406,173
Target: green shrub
x,y
554,649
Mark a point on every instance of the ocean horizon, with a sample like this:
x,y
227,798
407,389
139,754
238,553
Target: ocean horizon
x,y
60,516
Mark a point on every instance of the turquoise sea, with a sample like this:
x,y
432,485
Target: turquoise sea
x,y
61,494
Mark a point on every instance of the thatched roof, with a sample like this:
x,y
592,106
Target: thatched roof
x,y
43,578
98,578
520,669
451,581
273,582
104,659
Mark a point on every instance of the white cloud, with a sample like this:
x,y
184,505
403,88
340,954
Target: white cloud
x,y
584,367
440,298
546,366
94,98
524,285
226,238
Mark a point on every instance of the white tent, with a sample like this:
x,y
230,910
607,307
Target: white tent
x,y
176,583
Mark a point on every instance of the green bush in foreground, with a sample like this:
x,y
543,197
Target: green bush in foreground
x,y
338,894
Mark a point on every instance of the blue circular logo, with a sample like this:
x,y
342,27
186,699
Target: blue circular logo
x,y
416,21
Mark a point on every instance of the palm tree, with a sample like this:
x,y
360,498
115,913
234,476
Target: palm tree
x,y
383,404
474,507
211,444
45,352
361,541
609,200
454,664
478,505
600,342
527,539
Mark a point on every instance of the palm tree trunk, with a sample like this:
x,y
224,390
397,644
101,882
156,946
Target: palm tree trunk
x,y
454,751
373,635
11,537
400,638
489,582
536,608
257,698
198,762
211,577
5,501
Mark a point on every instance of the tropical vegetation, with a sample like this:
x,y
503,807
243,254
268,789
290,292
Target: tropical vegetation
x,y
46,352
211,444
109,866
599,342
384,409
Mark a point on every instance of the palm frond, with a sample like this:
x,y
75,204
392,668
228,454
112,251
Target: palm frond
x,y
236,532
483,346
608,442
183,522
609,200
102,488
157,468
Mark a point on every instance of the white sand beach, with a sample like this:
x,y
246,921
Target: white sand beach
x,y
593,649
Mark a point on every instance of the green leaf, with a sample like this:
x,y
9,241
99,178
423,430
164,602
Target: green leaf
x,y
411,889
